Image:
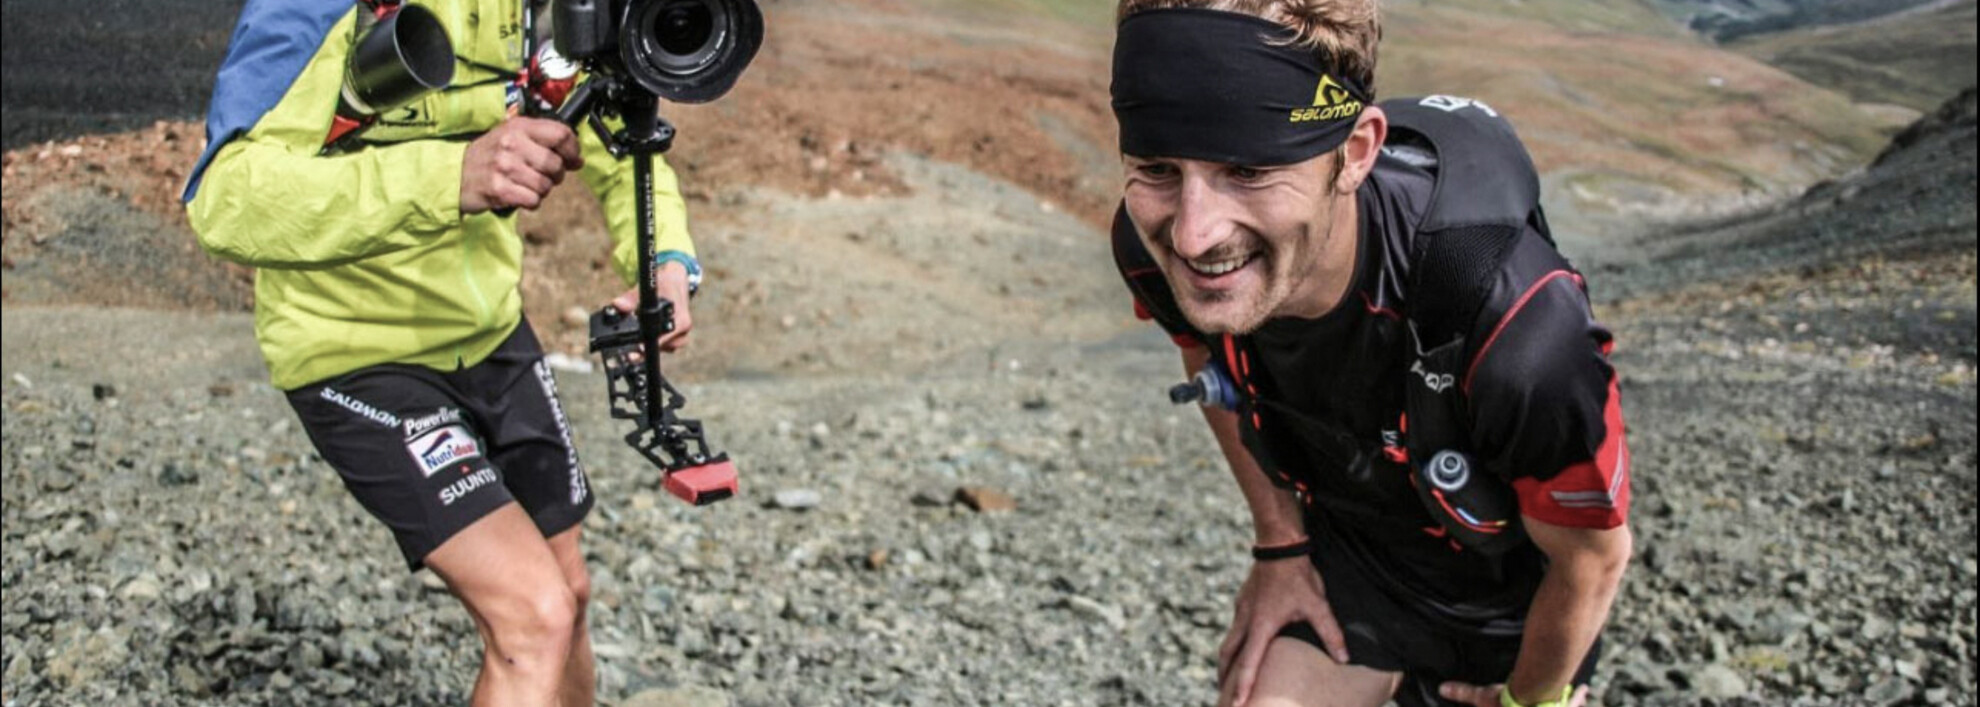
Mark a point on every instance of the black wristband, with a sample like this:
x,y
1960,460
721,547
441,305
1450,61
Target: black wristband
x,y
1267,553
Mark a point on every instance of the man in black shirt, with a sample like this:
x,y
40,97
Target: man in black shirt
x,y
1267,230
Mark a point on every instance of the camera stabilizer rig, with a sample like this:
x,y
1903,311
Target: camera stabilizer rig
x,y
638,51
633,382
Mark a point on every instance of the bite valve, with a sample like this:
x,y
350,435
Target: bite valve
x,y
1211,386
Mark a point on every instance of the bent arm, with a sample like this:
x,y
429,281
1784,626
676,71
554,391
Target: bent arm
x,y
1584,571
273,205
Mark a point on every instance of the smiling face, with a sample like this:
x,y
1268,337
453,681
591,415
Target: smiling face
x,y
1240,245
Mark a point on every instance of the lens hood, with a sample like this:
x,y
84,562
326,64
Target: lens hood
x,y
398,59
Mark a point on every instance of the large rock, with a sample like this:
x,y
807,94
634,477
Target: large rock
x,y
1717,681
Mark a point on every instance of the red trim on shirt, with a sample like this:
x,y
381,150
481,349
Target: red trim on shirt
x,y
1591,494
1368,303
1183,341
1507,319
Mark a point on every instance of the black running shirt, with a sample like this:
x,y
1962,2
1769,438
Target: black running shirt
x,y
1540,390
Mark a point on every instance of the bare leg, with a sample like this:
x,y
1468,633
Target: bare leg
x,y
580,677
1296,674
505,573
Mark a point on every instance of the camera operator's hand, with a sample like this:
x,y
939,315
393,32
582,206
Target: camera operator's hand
x,y
671,280
517,164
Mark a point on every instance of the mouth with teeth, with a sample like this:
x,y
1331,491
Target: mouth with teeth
x,y
1211,269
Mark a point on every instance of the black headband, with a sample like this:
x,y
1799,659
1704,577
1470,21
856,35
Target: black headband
x,y
1226,87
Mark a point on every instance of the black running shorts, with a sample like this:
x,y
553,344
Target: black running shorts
x,y
1388,636
429,452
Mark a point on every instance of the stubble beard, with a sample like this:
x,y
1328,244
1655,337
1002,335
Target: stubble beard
x,y
1232,312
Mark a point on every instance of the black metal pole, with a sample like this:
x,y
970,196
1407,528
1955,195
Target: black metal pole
x,y
652,318
644,138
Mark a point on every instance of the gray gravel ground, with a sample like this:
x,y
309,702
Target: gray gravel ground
x,y
1804,512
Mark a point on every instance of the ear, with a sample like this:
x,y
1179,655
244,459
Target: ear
x,y
1362,147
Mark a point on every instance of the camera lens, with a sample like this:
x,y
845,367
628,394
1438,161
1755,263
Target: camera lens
x,y
682,36
689,50
684,27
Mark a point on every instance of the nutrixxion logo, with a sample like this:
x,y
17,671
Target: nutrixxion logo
x,y
443,446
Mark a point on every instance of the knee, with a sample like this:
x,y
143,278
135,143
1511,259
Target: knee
x,y
536,629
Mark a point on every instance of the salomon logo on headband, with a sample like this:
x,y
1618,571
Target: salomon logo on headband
x,y
1227,87
1330,102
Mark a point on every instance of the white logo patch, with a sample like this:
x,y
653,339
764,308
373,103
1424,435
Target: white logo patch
x,y
1436,382
1453,104
435,450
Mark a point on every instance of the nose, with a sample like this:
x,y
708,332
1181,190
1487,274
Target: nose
x,y
1203,218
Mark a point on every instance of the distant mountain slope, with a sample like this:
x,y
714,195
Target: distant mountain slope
x,y
1641,118
1726,20
1916,197
1914,58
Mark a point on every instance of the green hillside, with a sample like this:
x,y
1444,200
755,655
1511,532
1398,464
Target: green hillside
x,y
1616,90
1915,59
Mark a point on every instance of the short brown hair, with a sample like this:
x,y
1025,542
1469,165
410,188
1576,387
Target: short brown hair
x,y
1344,30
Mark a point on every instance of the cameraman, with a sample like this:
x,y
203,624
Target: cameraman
x,y
386,305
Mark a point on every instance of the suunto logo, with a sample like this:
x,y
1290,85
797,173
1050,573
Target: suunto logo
x,y
1330,102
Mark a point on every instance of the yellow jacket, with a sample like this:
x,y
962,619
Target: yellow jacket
x,y
363,257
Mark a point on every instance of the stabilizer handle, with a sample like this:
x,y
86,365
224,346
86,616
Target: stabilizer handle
x,y
676,445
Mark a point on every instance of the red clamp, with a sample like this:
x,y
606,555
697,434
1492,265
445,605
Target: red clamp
x,y
702,485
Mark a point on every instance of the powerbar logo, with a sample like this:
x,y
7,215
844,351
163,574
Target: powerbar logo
x,y
1330,102
360,408
426,422
437,449
466,485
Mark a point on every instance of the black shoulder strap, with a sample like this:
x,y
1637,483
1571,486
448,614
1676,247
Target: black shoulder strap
x,y
1487,194
1484,175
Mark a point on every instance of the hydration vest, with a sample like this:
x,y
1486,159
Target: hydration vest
x,y
1486,197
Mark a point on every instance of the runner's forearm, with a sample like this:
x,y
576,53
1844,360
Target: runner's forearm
x,y
1570,608
1275,513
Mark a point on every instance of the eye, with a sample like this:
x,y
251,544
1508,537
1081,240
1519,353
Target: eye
x,y
1155,170
1248,174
